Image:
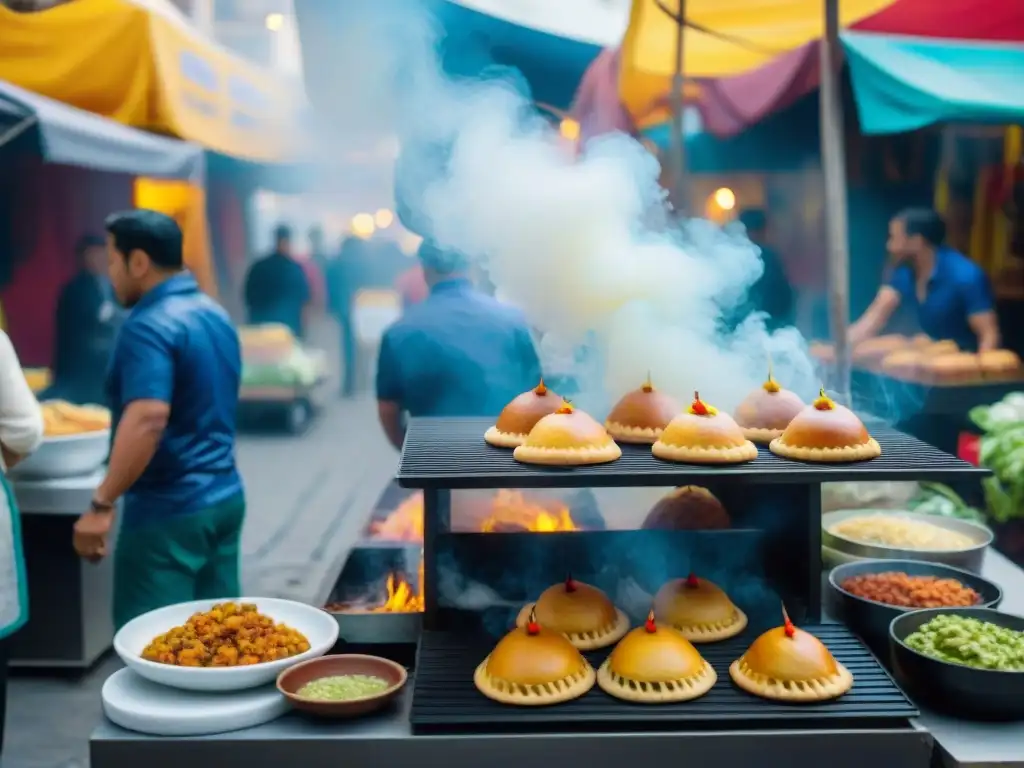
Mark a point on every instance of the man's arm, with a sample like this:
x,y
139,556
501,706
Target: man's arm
x,y
980,306
389,392
145,366
875,316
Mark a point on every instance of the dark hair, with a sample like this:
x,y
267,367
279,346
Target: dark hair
x,y
86,242
444,261
282,232
753,219
924,222
155,234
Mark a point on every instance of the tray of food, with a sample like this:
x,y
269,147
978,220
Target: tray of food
x,y
851,535
967,662
76,442
868,594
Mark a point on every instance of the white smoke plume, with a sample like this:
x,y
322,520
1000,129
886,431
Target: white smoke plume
x,y
569,239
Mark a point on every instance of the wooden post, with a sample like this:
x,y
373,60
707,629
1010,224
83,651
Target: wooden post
x,y
833,160
679,185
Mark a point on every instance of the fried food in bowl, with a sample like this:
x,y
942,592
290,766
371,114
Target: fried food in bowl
x,y
217,645
228,635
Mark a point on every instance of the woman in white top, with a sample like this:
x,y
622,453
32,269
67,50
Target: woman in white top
x,y
21,432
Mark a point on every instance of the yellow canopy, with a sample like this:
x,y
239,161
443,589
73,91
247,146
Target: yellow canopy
x,y
740,35
124,62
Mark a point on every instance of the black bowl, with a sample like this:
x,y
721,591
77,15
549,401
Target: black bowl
x,y
870,620
966,692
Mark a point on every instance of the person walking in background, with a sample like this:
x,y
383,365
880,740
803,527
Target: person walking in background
x,y
772,293
949,294
21,432
458,353
86,326
173,386
277,289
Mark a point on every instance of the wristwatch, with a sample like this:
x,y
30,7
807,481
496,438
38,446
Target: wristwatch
x,y
101,506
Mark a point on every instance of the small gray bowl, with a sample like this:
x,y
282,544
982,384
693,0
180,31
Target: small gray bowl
x,y
970,558
870,619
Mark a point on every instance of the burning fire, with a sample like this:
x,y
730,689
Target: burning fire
x,y
508,511
402,598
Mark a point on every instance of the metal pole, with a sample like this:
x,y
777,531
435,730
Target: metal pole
x,y
833,162
677,148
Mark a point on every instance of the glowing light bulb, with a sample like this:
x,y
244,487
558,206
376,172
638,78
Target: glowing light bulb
x,y
569,129
363,225
725,198
383,218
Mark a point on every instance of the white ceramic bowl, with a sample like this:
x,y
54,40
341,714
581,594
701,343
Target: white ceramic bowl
x,y
319,627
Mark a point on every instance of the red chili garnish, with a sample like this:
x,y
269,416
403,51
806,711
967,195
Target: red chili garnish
x,y
532,627
697,407
540,390
692,581
787,625
824,402
566,407
570,585
649,625
648,387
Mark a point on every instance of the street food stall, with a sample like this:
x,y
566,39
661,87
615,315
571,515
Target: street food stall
x,y
504,545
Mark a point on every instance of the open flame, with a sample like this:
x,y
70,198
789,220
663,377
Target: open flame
x,y
401,597
509,511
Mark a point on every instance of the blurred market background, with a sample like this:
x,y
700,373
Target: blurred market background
x,y
217,112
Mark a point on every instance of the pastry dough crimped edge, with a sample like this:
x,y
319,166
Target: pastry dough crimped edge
x,y
761,435
869,450
712,633
556,692
499,439
685,689
567,457
819,689
701,455
587,641
627,434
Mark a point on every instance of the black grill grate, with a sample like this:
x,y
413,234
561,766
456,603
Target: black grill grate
x,y
451,453
445,698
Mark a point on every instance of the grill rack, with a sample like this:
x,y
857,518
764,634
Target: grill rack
x,y
469,462
445,700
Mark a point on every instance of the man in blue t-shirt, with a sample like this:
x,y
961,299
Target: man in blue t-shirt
x,y
459,352
949,294
173,388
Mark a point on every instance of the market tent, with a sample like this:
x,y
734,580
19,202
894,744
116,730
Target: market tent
x,y
140,68
904,83
733,100
69,136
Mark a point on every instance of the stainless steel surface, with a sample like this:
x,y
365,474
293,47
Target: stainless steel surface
x,y
63,496
66,456
970,559
373,628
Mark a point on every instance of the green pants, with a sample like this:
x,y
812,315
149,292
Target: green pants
x,y
183,558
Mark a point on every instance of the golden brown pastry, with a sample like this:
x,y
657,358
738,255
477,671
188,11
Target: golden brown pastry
x,y
826,432
999,361
641,415
952,368
766,411
700,610
703,435
904,363
788,664
534,666
655,665
922,341
518,417
872,351
688,508
567,438
582,613
945,347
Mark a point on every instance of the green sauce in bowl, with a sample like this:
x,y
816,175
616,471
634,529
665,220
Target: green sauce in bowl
x,y
343,687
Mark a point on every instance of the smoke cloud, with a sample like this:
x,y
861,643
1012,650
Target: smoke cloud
x,y
574,241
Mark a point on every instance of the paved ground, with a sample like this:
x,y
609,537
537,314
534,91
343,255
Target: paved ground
x,y
309,497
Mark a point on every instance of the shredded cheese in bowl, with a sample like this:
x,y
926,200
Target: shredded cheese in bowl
x,y
902,533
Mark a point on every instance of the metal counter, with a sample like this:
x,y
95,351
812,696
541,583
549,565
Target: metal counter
x,y
70,613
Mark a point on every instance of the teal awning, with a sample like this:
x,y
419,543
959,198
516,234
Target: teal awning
x,y
905,83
